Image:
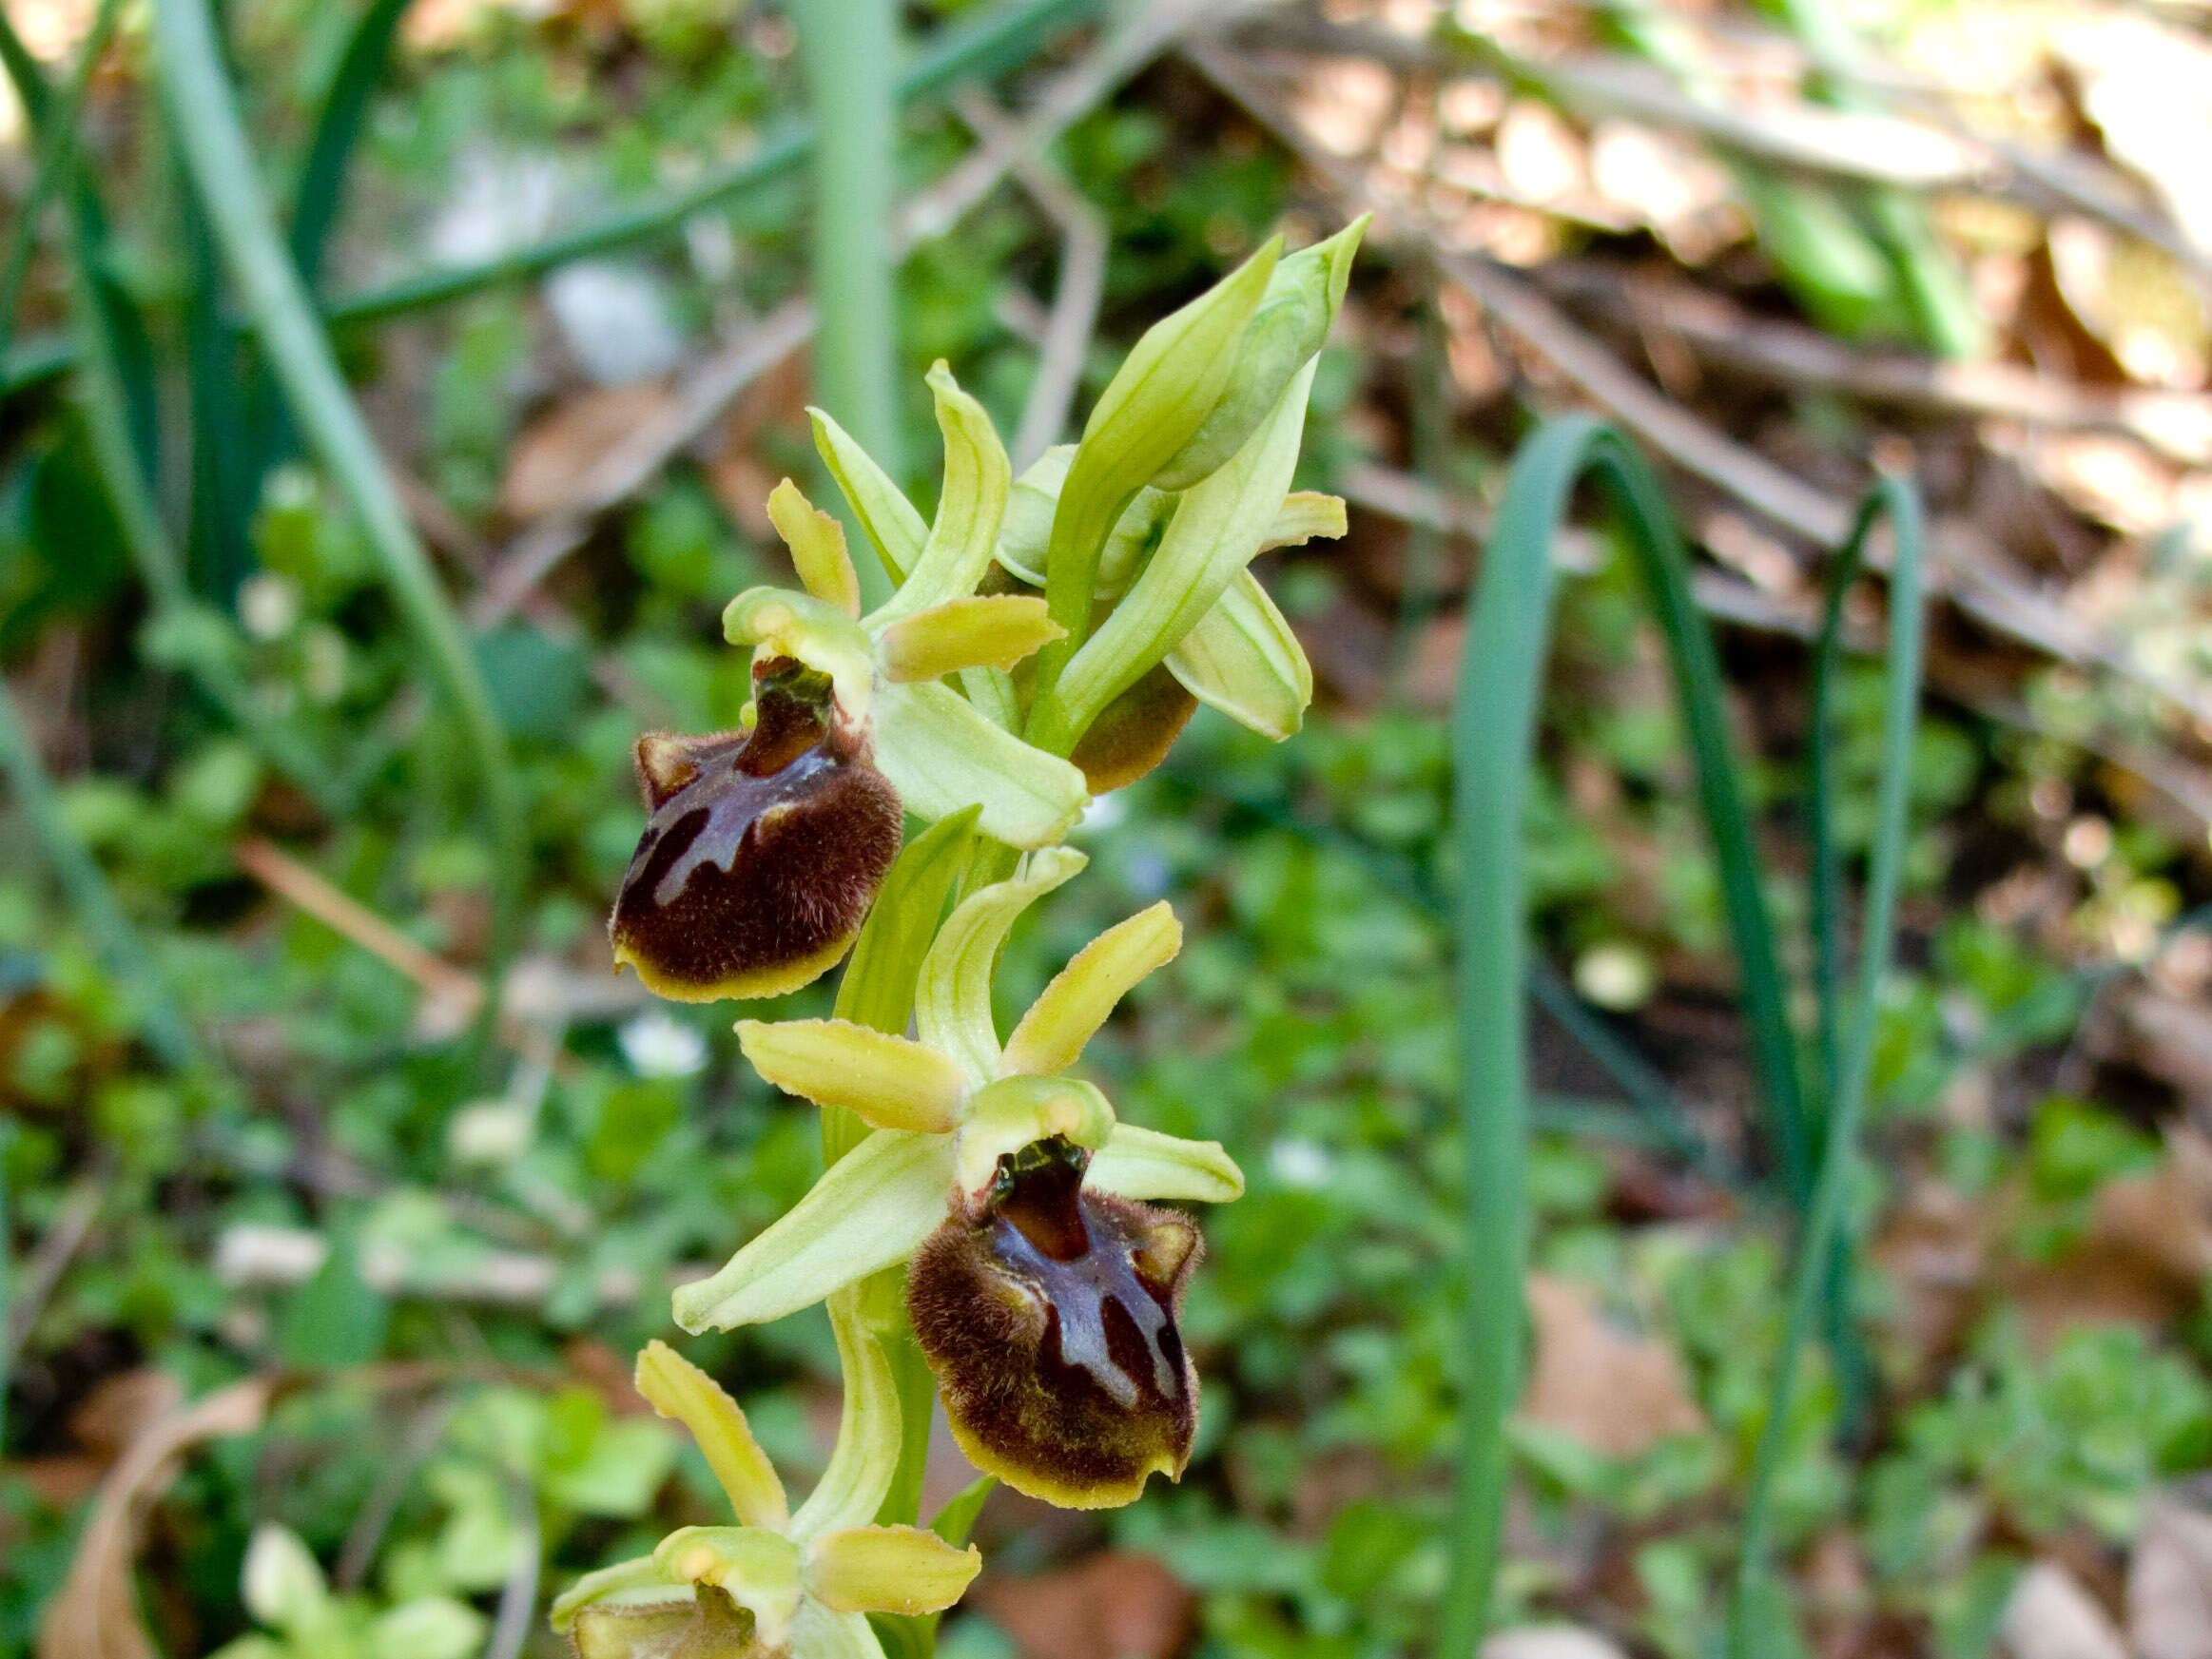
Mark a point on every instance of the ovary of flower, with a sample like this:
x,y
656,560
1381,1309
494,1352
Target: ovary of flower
x,y
804,1580
948,1107
940,751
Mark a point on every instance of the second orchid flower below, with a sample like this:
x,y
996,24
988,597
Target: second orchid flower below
x,y
1044,1296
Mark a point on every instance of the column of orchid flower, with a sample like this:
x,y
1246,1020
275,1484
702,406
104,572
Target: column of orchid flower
x,y
981,1213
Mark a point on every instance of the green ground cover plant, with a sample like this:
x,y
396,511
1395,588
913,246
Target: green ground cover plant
x,y
388,1277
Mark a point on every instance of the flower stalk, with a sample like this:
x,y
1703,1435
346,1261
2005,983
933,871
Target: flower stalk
x,y
983,1229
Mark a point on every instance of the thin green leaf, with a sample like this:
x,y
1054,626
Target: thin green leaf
x,y
1895,500
55,161
204,120
345,106
1493,735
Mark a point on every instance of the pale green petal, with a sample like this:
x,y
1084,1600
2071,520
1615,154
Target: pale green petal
x,y
1243,659
820,1633
976,477
642,1573
678,1388
886,516
1050,1035
817,544
941,754
891,1081
888,1569
866,1458
992,631
1140,1163
776,622
1218,529
758,1569
872,1208
1305,513
1025,535
952,1002
1026,528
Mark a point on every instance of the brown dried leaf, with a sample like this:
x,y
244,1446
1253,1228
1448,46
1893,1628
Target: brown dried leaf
x,y
550,467
2169,1583
1616,1393
1113,1606
2051,1616
94,1615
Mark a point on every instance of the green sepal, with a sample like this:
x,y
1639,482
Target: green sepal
x,y
872,1208
977,479
1218,528
941,754
1242,658
886,517
1154,404
1292,320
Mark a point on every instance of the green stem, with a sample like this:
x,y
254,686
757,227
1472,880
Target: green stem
x,y
121,952
877,991
212,141
1493,742
847,48
1823,1228
57,158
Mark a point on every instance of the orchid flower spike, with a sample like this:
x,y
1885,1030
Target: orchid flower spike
x,y
766,846
1044,1296
778,1585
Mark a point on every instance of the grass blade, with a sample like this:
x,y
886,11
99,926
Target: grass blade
x,y
1853,1052
205,122
846,51
346,105
1493,739
56,160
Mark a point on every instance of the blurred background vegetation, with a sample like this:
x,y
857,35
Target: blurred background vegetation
x,y
294,1236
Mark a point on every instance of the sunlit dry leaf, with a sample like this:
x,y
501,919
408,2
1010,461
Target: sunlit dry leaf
x,y
94,1615
1614,1392
549,467
2051,1616
2169,1582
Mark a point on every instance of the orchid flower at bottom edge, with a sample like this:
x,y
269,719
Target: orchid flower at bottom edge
x,y
779,1585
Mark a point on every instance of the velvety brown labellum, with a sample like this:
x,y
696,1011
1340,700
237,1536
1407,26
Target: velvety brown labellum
x,y
1050,1319
762,854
